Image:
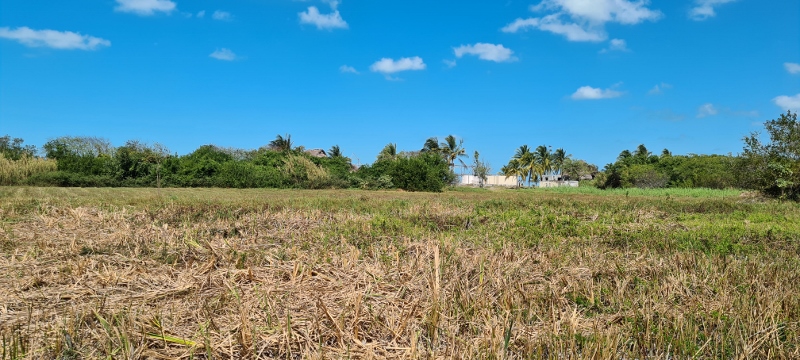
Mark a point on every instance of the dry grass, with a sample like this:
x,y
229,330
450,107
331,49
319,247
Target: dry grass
x,y
17,171
182,273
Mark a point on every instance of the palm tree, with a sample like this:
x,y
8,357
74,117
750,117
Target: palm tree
x,y
335,151
389,152
431,145
557,158
642,153
624,155
514,169
452,149
281,143
526,162
543,160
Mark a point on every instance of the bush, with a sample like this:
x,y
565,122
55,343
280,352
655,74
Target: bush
x,y
419,172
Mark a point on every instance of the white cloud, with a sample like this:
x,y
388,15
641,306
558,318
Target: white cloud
x,y
553,24
389,66
584,20
602,11
323,21
659,89
224,54
788,102
590,93
616,45
348,69
145,7
704,9
521,24
65,40
450,63
490,52
201,14
792,68
707,110
222,15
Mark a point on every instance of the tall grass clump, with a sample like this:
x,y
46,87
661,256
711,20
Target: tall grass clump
x,y
15,172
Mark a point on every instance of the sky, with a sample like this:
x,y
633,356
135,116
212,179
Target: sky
x,y
594,77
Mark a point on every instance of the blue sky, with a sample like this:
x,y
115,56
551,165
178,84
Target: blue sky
x,y
592,76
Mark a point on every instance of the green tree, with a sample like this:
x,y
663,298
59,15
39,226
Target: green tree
x,y
12,148
774,167
481,170
335,151
452,150
389,152
557,159
515,170
281,143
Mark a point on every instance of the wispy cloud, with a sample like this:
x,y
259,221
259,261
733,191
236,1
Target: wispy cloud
x,y
489,52
201,14
590,93
659,89
616,45
348,69
705,9
222,15
553,24
324,21
706,110
449,63
389,66
64,40
792,68
788,102
145,7
224,54
579,20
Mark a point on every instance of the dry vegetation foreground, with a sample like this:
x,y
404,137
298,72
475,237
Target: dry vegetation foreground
x,y
223,274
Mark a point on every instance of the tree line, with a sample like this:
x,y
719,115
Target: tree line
x,y
771,166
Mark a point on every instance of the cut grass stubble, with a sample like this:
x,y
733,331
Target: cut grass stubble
x,y
126,273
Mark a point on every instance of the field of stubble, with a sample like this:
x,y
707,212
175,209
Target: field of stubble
x,y
229,274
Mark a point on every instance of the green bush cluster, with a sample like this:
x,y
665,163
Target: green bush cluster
x,y
642,169
93,162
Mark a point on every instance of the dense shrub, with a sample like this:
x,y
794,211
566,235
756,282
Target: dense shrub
x,y
642,169
418,172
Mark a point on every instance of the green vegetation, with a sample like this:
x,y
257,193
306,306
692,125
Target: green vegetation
x,y
642,169
772,167
475,273
775,166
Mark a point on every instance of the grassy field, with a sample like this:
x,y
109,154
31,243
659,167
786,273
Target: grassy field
x,y
489,274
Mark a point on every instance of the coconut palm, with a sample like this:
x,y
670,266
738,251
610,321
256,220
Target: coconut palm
x,y
335,151
452,150
527,162
431,145
281,143
624,155
543,160
513,168
389,152
557,158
